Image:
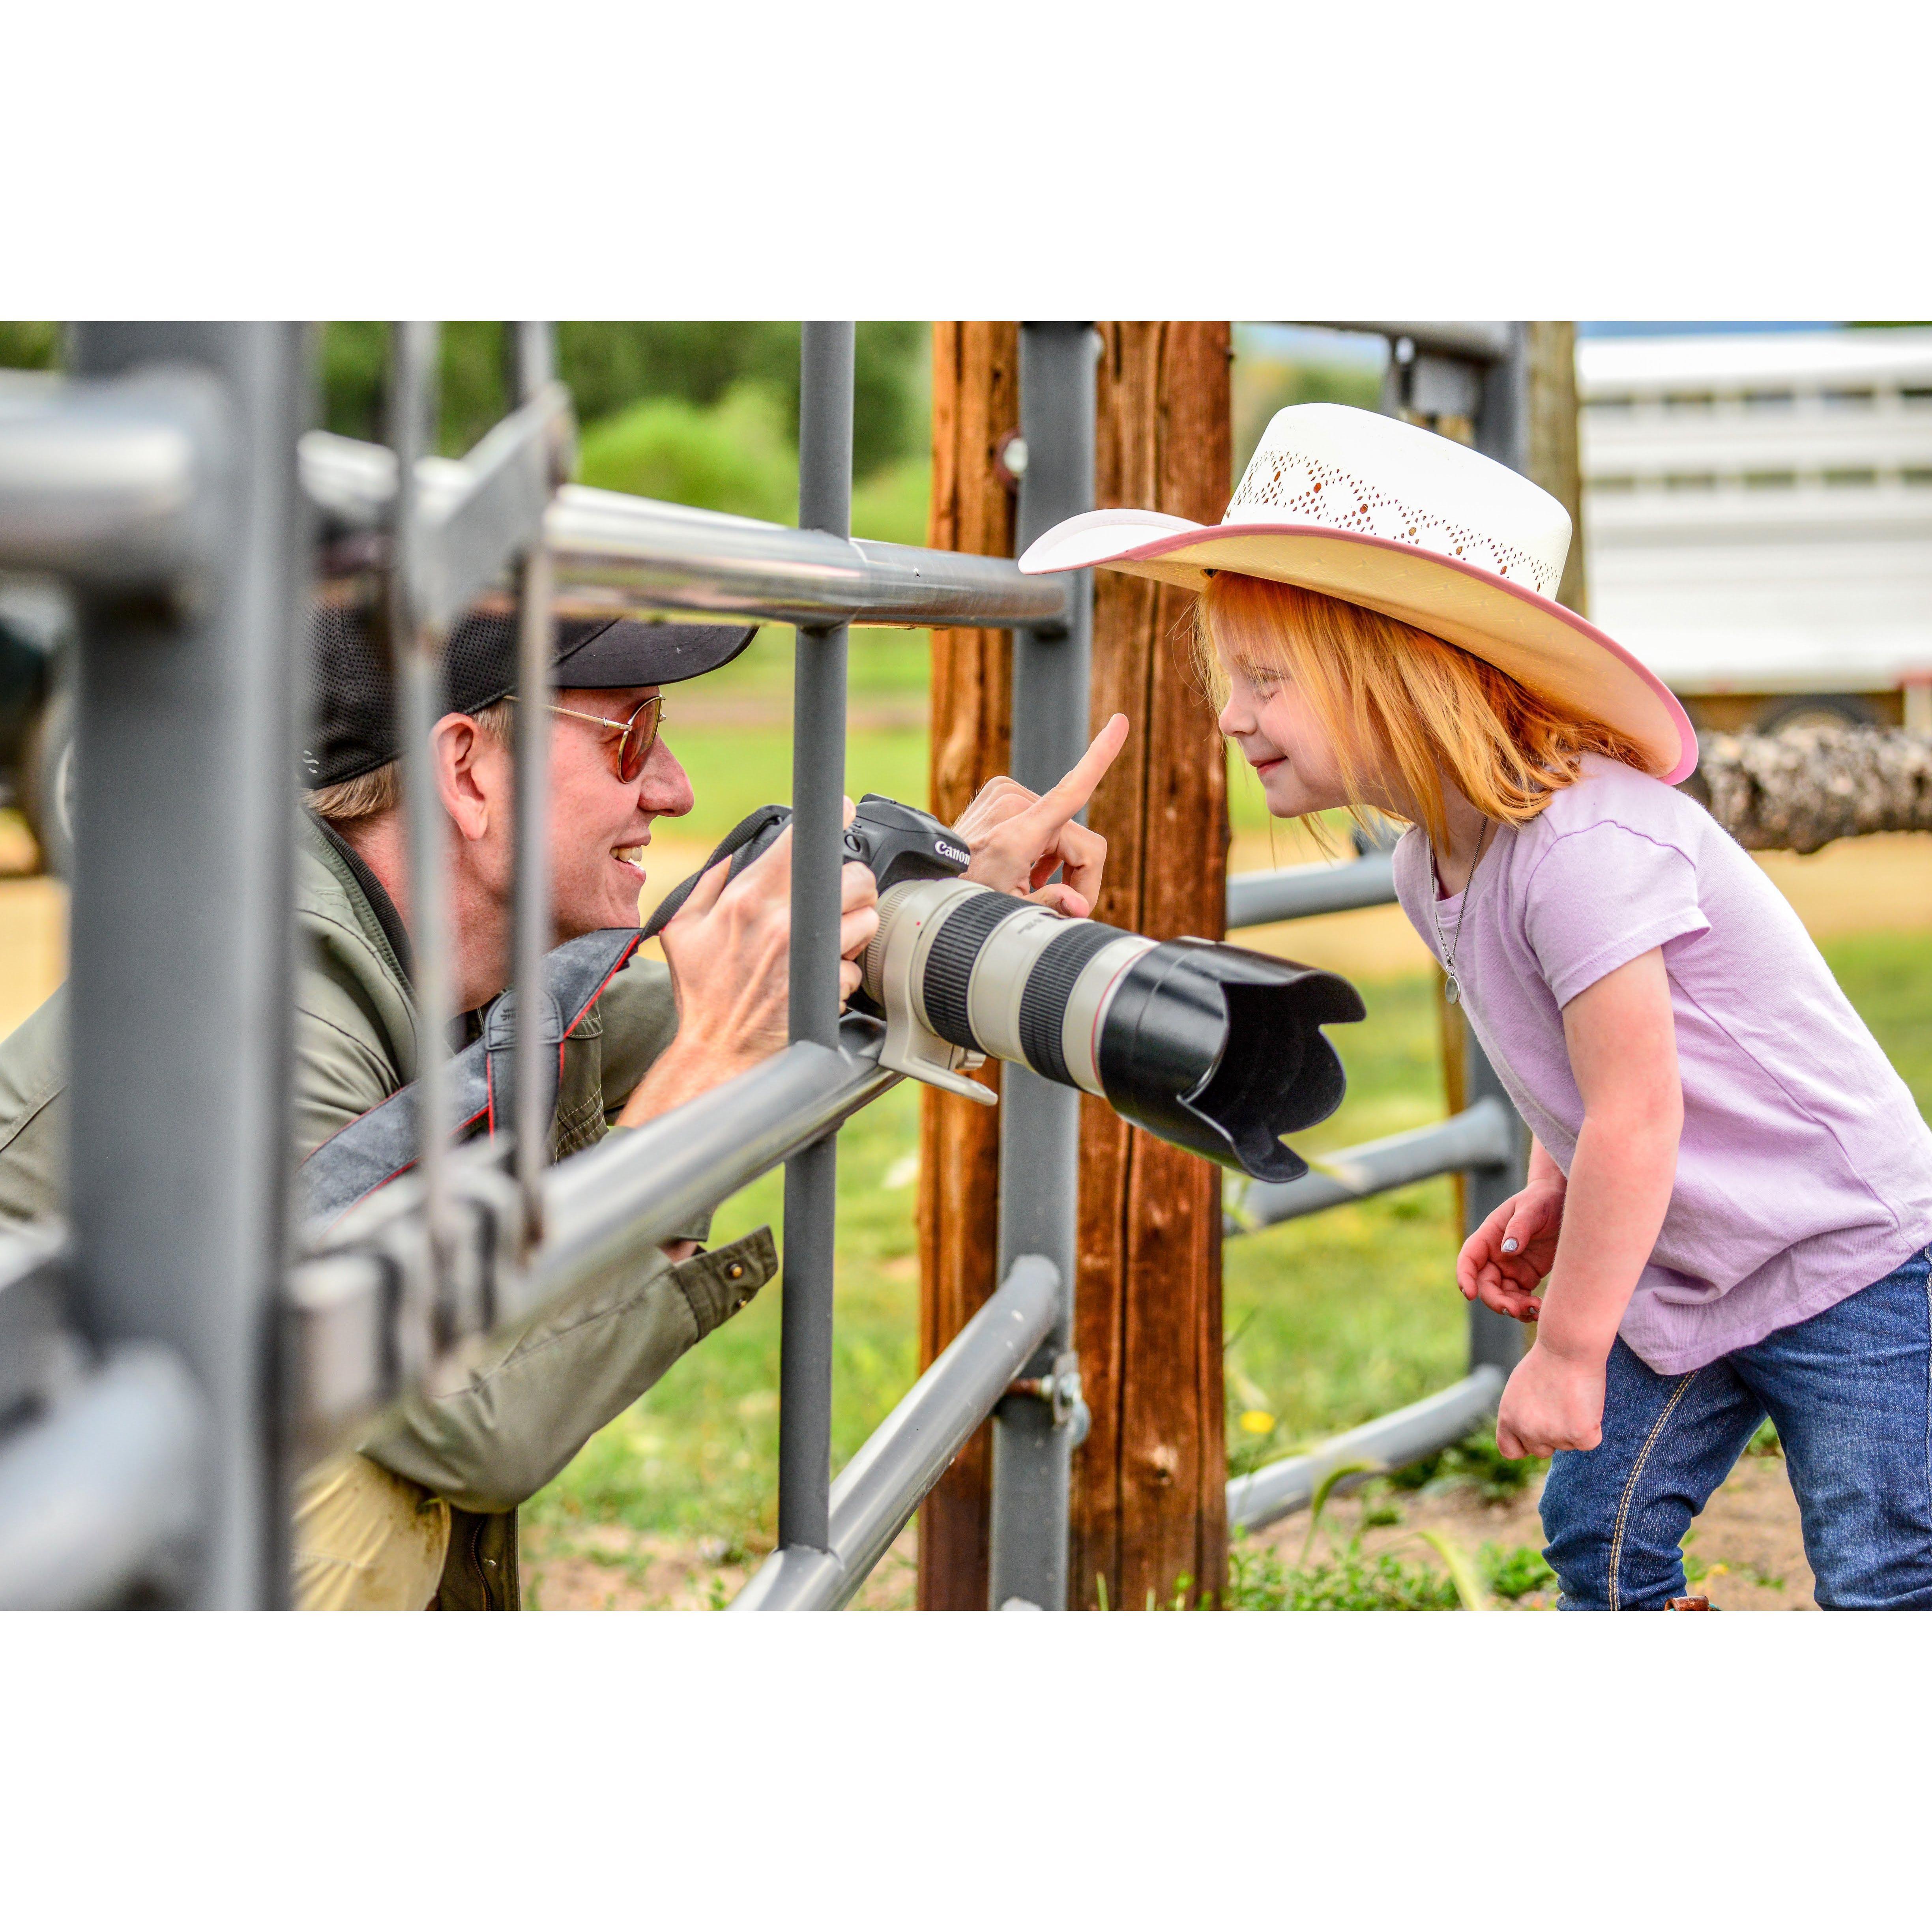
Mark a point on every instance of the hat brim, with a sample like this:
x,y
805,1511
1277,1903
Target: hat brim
x,y
1542,644
626,652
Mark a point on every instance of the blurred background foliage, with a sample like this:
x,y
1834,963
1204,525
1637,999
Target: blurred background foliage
x,y
706,412
29,345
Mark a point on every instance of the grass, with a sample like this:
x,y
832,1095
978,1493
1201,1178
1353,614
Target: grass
x,y
1331,1320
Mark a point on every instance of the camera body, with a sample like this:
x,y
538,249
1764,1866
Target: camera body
x,y
899,843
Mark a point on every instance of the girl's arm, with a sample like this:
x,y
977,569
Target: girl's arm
x,y
1623,1053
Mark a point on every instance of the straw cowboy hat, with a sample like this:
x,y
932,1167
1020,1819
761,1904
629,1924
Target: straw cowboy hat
x,y
1378,512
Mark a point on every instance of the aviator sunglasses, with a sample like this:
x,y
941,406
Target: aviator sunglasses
x,y
636,733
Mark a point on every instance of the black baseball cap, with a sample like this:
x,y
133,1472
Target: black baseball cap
x,y
355,730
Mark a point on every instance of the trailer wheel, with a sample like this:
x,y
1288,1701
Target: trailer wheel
x,y
1838,710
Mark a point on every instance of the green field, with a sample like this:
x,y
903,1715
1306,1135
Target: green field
x,y
1329,1320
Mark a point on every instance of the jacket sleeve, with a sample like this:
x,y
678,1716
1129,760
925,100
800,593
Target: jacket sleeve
x,y
518,1407
640,1015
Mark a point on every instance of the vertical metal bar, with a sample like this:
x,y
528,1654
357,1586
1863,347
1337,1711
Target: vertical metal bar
x,y
1502,431
818,792
183,942
530,367
417,654
1039,1122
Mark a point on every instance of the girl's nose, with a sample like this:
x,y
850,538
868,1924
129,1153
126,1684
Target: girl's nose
x,y
1233,722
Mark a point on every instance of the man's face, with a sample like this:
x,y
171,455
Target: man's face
x,y
599,825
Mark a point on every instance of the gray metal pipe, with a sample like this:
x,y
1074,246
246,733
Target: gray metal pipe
x,y
877,1491
1482,1136
1479,342
183,922
527,373
1404,1436
105,1492
615,553
1040,1121
114,483
818,795
1302,891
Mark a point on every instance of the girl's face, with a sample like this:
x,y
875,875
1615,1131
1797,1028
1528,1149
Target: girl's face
x,y
1268,717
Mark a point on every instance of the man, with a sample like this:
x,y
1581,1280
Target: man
x,y
424,1510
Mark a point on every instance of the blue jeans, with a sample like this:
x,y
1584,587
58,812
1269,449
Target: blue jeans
x,y
1850,1391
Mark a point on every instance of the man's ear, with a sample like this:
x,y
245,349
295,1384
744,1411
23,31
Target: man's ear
x,y
459,753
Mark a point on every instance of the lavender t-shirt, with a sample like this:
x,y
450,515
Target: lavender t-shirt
x,y
1805,1171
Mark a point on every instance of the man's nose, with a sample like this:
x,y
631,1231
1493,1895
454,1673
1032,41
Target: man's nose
x,y
664,786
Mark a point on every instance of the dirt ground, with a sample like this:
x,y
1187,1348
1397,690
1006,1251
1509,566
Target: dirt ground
x,y
606,1567
1748,1537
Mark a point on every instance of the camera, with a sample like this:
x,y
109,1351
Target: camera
x,y
1212,1047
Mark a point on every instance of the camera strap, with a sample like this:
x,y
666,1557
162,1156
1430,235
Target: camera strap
x,y
743,843
377,1147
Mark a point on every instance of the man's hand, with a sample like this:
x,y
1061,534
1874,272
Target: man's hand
x,y
1503,1260
1553,1402
1019,838
728,950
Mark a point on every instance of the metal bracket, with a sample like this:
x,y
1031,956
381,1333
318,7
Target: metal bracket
x,y
462,545
1060,1388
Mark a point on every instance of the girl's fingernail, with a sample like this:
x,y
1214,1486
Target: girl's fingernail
x,y
1509,1246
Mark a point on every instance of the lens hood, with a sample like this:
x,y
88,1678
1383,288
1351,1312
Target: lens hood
x,y
1219,1050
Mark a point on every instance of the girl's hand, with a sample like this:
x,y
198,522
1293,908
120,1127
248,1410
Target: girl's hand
x,y
1553,1402
1019,839
1505,1259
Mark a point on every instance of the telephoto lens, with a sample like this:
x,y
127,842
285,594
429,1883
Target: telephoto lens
x,y
1216,1048
1212,1047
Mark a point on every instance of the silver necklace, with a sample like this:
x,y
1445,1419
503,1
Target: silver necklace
x,y
1452,990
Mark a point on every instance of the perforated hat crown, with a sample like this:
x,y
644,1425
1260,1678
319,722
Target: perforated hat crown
x,y
1323,463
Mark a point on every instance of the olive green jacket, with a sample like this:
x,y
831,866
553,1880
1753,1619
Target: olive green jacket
x,y
519,1405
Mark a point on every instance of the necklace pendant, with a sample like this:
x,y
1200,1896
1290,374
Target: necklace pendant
x,y
1451,992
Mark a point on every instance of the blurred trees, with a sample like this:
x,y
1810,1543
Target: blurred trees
x,y
29,345
698,412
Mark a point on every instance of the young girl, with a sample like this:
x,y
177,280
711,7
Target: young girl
x,y
1730,1194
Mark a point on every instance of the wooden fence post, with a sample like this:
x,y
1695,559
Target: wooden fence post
x,y
1149,1484
975,402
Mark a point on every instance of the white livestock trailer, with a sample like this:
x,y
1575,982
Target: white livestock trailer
x,y
1758,518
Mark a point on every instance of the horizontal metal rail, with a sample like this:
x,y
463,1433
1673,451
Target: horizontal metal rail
x,y
113,482
616,554
1302,891
877,1491
1482,1135
360,1309
101,1493
1405,1435
1483,342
